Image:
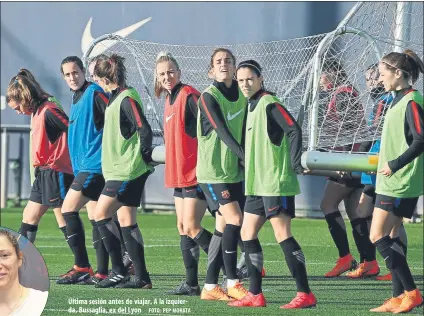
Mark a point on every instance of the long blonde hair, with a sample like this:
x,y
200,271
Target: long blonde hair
x,y
161,57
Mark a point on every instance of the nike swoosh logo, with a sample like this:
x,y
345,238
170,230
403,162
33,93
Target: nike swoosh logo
x,y
386,258
386,203
71,235
52,200
87,38
169,117
249,128
70,122
232,117
230,251
273,208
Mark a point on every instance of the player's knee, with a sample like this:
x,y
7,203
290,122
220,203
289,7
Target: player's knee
x,y
180,228
191,230
247,233
375,236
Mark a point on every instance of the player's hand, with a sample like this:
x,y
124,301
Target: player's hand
x,y
386,171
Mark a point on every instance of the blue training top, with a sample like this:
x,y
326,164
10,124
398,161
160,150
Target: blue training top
x,y
387,99
84,140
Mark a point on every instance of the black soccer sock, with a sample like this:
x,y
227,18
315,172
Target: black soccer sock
x,y
242,260
295,260
255,262
395,259
101,254
403,238
230,239
76,238
371,250
203,239
362,240
110,236
214,258
190,252
337,229
29,231
135,247
397,285
63,230
121,238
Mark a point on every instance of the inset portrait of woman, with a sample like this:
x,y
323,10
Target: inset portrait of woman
x,y
24,281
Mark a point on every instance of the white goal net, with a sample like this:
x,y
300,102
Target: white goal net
x,y
288,70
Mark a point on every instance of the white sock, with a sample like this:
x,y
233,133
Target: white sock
x,y
210,287
232,282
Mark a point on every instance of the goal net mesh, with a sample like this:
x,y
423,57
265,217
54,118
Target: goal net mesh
x,y
287,66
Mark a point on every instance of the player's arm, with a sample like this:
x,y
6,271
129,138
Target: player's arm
x,y
56,123
191,111
100,103
414,126
214,119
138,123
291,128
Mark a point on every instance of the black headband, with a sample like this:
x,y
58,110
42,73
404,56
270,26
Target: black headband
x,y
247,64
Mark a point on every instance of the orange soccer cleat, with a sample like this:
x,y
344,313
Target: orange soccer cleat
x,y
250,300
216,294
386,277
237,291
343,264
411,300
365,269
302,300
388,305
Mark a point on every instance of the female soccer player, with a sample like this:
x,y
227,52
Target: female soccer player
x,y
15,299
273,149
56,211
126,152
219,170
84,138
180,120
49,151
382,100
400,174
344,115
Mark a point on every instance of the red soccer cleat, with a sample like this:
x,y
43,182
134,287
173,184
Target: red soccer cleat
x,y
343,264
302,300
263,272
386,277
250,300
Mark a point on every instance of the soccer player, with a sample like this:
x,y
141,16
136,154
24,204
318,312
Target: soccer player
x,y
84,139
273,149
49,152
368,265
50,98
126,152
400,174
344,114
180,120
219,170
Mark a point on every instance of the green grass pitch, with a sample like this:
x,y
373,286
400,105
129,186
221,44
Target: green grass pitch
x,y
339,296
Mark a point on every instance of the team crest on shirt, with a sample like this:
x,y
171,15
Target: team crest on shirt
x,y
225,194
